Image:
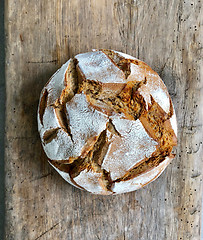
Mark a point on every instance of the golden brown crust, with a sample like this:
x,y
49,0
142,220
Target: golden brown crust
x,y
120,88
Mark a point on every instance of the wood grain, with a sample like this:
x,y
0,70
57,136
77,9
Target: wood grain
x,y
40,36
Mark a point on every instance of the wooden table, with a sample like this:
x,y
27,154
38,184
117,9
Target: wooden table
x,y
40,37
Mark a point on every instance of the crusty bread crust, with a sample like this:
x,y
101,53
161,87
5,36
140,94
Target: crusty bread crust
x,y
107,122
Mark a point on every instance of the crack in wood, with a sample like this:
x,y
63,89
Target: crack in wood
x,y
195,175
193,212
47,231
51,61
43,176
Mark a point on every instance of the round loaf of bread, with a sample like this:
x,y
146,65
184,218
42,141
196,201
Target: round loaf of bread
x,y
107,122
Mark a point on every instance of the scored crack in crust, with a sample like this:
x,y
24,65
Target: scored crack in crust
x,y
92,161
43,105
124,98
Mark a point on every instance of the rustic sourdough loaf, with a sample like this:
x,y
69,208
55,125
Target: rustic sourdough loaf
x,y
107,122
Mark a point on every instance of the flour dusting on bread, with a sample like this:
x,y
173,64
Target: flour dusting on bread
x,y
107,122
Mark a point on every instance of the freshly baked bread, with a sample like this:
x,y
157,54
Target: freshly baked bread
x,y
107,122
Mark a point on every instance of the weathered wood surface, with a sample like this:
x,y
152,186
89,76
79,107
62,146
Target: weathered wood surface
x,y
40,36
